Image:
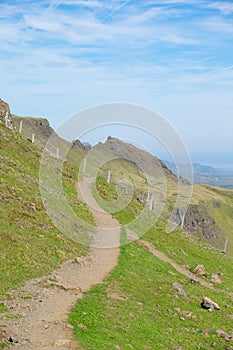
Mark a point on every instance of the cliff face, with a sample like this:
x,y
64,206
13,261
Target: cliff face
x,y
5,114
197,220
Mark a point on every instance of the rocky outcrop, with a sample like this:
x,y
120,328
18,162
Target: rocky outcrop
x,y
43,126
197,221
40,126
5,114
77,144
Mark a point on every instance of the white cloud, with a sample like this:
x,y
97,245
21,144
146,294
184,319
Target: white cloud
x,y
57,59
225,7
85,3
219,26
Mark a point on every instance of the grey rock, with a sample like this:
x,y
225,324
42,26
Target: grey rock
x,y
224,335
179,289
200,270
215,279
5,114
209,304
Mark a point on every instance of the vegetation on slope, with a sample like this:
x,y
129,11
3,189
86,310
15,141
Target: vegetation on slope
x,y
212,222
30,245
137,306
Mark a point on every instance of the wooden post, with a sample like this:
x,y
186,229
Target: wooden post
x,y
57,152
20,126
148,200
84,164
6,120
182,222
151,203
33,138
109,177
225,247
181,217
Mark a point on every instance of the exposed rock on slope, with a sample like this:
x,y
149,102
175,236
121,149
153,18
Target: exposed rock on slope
x,y
39,126
78,144
5,114
197,220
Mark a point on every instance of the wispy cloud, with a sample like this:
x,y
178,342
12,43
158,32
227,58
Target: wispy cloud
x,y
95,51
225,7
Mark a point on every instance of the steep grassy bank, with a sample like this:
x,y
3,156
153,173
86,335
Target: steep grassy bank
x,y
30,245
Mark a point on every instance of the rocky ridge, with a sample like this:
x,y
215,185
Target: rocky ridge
x,y
5,114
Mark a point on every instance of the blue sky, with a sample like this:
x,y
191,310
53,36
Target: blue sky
x,y
175,57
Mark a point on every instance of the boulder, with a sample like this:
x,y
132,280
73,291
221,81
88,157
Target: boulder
x,y
215,278
200,270
209,304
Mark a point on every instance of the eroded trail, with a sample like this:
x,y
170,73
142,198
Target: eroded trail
x,y
43,323
163,257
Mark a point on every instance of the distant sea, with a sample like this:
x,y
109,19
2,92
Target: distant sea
x,y
223,161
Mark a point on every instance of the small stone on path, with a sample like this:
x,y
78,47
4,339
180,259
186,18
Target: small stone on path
x,y
61,342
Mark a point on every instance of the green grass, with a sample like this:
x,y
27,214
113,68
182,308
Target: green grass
x,y
188,251
137,308
30,244
216,202
184,249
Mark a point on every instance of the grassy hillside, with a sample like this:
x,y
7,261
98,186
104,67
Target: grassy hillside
x,y
184,248
210,215
30,245
138,308
219,204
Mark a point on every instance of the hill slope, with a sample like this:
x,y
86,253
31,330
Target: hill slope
x,y
210,213
30,245
145,303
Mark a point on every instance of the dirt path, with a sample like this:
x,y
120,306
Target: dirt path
x,y
163,257
43,323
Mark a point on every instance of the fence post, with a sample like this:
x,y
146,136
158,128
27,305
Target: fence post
x,y
225,247
109,177
6,120
33,138
20,126
151,202
84,164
